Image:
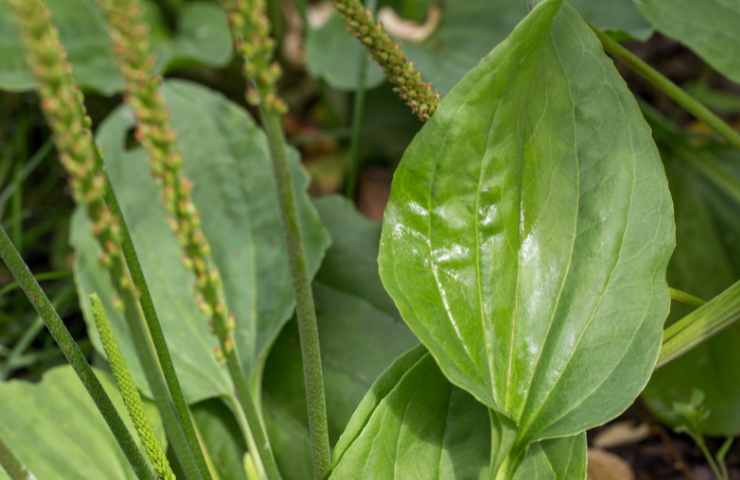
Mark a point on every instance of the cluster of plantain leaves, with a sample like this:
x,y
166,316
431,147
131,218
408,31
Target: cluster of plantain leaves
x,y
514,297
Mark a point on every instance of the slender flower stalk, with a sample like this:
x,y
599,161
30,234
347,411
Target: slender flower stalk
x,y
130,394
130,38
251,32
62,103
419,95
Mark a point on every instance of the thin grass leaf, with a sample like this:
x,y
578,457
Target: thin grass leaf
x,y
701,324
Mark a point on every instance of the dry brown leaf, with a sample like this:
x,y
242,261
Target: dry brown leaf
x,y
408,30
319,14
603,465
621,433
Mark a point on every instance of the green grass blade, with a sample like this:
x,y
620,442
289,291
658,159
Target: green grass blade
x,y
72,352
701,324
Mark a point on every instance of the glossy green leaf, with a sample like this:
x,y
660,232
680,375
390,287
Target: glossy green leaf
x,y
360,336
707,261
414,424
529,230
226,157
467,32
202,37
709,27
560,459
56,431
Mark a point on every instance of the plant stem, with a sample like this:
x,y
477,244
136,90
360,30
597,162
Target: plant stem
x,y
305,309
664,84
686,298
154,327
701,324
13,467
358,115
719,470
250,29
74,355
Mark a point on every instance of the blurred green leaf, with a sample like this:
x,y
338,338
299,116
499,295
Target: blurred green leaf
x,y
56,431
709,27
226,158
202,38
334,55
468,30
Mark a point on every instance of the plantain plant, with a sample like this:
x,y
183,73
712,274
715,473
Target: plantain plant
x,y
514,297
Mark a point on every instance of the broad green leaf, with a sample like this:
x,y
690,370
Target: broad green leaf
x,y
414,424
56,431
529,229
220,433
226,157
709,27
360,336
559,459
707,261
354,243
467,32
202,37
334,55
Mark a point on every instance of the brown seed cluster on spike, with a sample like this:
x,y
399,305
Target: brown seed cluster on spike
x,y
63,106
130,37
409,85
251,30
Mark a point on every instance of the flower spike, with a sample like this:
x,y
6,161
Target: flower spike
x,y
408,83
